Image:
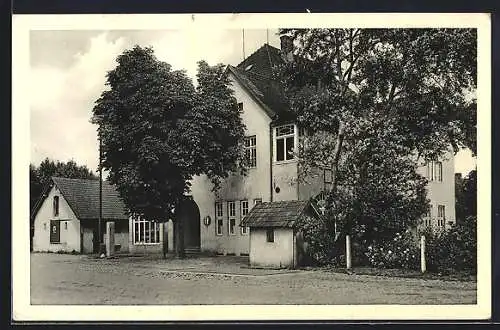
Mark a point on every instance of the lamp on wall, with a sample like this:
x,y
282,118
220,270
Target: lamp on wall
x,y
207,220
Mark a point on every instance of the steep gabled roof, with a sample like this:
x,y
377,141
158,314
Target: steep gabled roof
x,y
275,214
255,73
82,196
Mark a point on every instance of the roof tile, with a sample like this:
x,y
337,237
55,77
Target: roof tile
x,y
275,214
83,197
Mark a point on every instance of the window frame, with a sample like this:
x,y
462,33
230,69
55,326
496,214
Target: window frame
x,y
142,226
231,218
270,235
251,149
438,171
219,219
285,136
55,206
441,216
244,229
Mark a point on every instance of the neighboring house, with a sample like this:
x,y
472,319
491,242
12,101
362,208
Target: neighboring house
x,y
275,236
66,216
272,136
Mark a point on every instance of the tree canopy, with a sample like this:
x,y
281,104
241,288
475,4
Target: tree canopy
x,y
158,131
377,101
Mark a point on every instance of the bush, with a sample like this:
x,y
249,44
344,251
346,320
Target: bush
x,y
453,250
399,252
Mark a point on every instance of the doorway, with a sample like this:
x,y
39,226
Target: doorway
x,y
189,214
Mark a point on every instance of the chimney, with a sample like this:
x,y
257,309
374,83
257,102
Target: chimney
x,y
287,47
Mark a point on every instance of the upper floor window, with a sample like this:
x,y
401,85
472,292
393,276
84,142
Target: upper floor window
x,y
257,201
428,217
240,106
251,150
55,206
439,171
435,171
285,142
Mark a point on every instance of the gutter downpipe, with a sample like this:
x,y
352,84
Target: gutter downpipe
x,y
271,160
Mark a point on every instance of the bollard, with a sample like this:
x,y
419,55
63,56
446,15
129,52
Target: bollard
x,y
110,242
423,266
348,251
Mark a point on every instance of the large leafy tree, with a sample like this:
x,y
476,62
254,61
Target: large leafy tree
x,y
466,196
158,131
377,101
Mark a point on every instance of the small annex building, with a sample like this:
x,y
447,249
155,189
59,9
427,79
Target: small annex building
x,y
66,217
275,236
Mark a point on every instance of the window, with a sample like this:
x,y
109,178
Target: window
x,y
438,171
328,177
55,233
303,131
244,212
428,217
441,215
257,201
146,232
219,223
240,106
435,171
66,225
44,226
285,142
251,151
55,206
270,235
231,206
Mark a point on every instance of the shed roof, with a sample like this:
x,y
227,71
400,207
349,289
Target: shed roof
x,y
275,214
82,196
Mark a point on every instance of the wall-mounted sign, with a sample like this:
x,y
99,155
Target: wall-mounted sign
x,y
207,220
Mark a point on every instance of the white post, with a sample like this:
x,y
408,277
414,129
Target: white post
x,y
110,235
348,251
170,235
423,266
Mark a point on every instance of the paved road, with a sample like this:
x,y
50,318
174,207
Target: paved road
x,y
70,279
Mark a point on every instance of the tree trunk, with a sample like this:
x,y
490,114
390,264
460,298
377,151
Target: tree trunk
x,y
179,238
336,156
164,241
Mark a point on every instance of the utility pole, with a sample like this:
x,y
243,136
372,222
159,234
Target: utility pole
x,y
100,195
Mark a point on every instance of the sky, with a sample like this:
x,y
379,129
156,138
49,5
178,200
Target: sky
x,y
68,69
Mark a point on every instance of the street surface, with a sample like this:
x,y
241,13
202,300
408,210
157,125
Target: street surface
x,y
83,280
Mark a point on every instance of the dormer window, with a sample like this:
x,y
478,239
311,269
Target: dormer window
x,y
55,206
285,142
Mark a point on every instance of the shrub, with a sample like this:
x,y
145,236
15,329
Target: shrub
x,y
399,252
453,250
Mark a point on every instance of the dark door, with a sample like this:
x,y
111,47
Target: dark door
x,y
55,232
190,217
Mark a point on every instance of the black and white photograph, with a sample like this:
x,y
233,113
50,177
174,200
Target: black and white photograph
x,y
251,166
